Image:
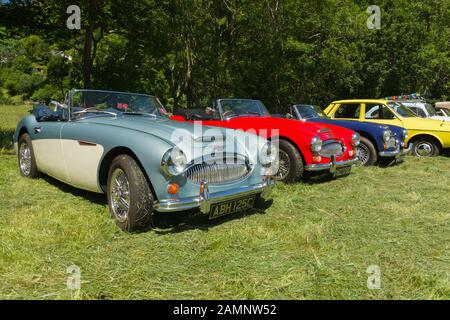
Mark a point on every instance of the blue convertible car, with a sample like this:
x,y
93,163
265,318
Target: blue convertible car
x,y
121,144
385,144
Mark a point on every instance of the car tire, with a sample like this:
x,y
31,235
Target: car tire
x,y
130,198
367,152
26,158
425,148
291,165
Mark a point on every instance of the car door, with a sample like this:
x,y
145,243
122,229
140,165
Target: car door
x,y
380,113
82,154
46,140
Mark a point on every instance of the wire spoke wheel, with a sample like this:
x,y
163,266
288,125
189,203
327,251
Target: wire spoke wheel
x,y
284,166
363,153
120,195
25,159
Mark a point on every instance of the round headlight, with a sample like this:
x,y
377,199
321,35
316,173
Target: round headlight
x,y
316,144
356,139
174,162
386,135
405,134
268,154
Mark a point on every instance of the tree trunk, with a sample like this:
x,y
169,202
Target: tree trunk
x,y
87,57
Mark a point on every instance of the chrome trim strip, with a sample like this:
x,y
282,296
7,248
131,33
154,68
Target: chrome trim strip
x,y
333,165
205,200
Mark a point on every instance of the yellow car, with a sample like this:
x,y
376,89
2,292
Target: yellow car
x,y
428,137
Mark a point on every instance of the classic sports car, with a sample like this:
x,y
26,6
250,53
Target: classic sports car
x,y
385,143
428,137
302,146
120,144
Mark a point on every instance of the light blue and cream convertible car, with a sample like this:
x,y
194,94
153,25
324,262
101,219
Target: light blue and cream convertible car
x,y
123,145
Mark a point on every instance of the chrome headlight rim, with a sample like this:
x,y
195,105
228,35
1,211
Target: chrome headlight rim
x,y
316,144
387,134
268,154
356,139
174,162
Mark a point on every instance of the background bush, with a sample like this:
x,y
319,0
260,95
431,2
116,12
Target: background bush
x,y
190,52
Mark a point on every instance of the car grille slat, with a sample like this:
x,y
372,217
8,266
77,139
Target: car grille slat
x,y
392,143
217,173
332,149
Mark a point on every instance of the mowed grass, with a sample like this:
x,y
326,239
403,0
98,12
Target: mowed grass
x,y
316,241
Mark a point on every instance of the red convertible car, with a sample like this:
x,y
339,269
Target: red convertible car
x,y
303,146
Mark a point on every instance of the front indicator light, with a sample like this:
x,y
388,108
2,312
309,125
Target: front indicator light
x,y
173,188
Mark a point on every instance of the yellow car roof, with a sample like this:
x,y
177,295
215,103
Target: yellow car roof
x,y
359,101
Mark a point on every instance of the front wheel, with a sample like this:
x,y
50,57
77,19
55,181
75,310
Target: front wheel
x,y
27,161
366,152
290,163
130,198
425,147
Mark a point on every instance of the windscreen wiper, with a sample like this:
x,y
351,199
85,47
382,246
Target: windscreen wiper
x,y
139,114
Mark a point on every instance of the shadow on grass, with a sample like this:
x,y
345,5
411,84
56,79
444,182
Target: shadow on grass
x,y
181,222
95,198
168,223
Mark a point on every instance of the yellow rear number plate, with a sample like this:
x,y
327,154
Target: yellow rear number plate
x,y
232,206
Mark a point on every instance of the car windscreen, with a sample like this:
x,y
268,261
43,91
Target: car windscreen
x,y
309,111
431,110
106,102
235,108
401,110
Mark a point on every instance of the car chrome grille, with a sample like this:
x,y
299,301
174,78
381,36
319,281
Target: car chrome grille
x,y
392,143
332,148
217,173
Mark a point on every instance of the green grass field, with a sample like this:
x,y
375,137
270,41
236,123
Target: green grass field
x,y
316,241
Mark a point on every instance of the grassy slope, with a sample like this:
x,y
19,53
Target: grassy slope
x,y
316,241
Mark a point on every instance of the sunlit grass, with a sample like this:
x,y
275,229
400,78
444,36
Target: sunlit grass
x,y
315,241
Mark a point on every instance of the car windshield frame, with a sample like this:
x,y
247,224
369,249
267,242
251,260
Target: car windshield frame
x,y
262,108
112,111
395,106
316,109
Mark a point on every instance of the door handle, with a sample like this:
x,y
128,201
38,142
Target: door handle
x,y
37,129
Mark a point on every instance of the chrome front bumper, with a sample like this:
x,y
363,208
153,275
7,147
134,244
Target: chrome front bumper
x,y
397,153
333,165
204,200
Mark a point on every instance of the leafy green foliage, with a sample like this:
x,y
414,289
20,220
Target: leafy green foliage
x,y
190,52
